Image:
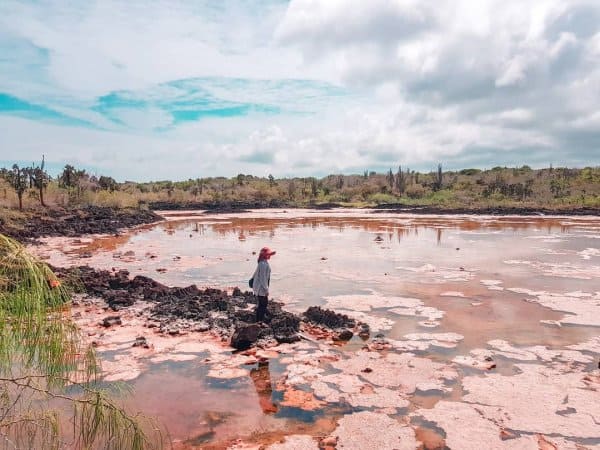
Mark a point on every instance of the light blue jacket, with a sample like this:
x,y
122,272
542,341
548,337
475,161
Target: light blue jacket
x,y
262,276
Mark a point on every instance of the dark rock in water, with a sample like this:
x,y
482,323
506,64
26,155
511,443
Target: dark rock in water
x,y
506,434
328,318
285,327
141,341
109,321
177,310
344,335
364,332
287,338
118,298
57,221
202,327
245,316
185,292
244,336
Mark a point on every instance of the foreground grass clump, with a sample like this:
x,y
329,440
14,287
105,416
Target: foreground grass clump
x,y
49,392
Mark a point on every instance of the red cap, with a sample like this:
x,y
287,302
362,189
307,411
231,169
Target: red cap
x,y
265,253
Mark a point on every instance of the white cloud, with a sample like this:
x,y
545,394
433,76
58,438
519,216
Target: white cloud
x,y
350,83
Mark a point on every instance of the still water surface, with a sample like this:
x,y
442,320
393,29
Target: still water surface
x,y
460,265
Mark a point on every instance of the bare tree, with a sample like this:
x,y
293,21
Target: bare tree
x,y
400,180
68,177
390,179
314,187
40,179
18,181
437,184
291,189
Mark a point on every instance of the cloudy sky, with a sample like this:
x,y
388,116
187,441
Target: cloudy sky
x,y
178,89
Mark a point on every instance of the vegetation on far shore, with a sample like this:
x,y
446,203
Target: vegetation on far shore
x,y
499,187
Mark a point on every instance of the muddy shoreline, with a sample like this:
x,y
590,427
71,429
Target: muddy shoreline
x,y
229,207
30,225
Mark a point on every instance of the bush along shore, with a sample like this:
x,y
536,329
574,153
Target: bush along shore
x,y
231,316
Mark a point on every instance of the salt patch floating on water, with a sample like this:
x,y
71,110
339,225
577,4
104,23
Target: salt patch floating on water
x,y
537,352
452,294
584,306
367,302
429,312
465,428
396,371
564,270
295,442
443,340
540,399
357,393
553,238
296,398
122,368
227,373
356,306
175,357
429,323
301,373
441,274
492,285
589,252
370,430
592,345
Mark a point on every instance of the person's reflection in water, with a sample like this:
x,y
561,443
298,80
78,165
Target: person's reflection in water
x,y
262,383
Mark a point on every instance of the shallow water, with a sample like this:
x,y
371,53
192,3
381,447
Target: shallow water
x,y
463,266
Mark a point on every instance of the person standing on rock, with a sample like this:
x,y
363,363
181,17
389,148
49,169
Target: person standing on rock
x,y
260,282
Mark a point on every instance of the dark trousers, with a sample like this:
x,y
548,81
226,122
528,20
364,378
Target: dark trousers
x,y
261,309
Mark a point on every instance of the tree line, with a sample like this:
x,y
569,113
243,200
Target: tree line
x,y
35,178
455,188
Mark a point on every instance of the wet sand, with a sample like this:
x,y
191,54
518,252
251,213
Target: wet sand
x,y
525,281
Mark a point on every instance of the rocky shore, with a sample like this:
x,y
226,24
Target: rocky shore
x,y
231,316
28,226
